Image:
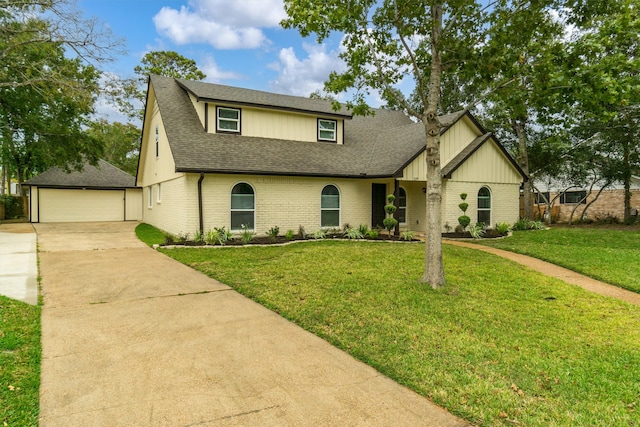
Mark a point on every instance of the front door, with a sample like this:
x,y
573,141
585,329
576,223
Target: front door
x,y
378,200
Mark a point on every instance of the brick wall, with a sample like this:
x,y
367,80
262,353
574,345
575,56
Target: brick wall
x,y
609,204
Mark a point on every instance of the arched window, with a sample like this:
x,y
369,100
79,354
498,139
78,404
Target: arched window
x,y
330,207
484,206
243,204
402,206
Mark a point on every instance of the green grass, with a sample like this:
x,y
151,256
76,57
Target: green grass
x,y
499,345
149,234
20,354
610,255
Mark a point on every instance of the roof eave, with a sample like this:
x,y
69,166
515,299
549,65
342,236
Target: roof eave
x,y
267,106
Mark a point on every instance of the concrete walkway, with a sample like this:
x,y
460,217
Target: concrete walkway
x,y
18,262
133,338
558,272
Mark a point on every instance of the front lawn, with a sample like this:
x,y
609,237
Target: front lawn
x,y
20,354
610,255
499,345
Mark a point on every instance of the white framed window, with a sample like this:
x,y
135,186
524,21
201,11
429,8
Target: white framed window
x,y
157,141
243,207
484,206
159,193
150,196
228,119
327,130
330,206
402,206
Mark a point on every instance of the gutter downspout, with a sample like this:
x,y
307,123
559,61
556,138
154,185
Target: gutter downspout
x,y
200,202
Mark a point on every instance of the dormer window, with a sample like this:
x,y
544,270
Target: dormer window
x,y
227,119
327,130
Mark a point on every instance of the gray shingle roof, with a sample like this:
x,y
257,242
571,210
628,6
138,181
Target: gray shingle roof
x,y
104,175
234,95
375,146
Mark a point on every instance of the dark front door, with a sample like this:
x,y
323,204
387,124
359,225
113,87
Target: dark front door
x,y
378,200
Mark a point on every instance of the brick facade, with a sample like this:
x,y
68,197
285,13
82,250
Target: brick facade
x,y
610,203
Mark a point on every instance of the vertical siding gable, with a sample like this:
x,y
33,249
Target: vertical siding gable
x,y
456,138
154,169
452,142
488,164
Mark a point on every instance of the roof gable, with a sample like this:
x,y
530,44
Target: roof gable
x,y
380,145
102,176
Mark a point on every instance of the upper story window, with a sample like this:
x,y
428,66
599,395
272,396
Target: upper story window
x,y
327,130
227,119
157,141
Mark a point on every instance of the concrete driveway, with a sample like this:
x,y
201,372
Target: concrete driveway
x,y
132,338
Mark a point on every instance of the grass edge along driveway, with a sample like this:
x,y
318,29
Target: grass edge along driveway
x,y
20,354
499,345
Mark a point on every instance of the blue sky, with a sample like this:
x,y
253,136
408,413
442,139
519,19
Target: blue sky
x,y
238,43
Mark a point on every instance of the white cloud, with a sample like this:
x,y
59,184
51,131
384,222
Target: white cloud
x,y
214,73
303,76
221,23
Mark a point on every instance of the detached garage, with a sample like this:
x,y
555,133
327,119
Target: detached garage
x,y
97,193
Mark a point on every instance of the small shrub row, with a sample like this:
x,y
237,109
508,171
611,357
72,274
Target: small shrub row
x,y
527,224
221,236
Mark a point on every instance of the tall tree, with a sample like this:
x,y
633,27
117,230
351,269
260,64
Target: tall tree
x,y
121,143
384,41
603,65
25,24
45,94
129,94
526,55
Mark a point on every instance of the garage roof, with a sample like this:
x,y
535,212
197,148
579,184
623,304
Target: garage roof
x,y
102,176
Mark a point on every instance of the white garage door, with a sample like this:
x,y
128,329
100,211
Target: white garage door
x,y
66,205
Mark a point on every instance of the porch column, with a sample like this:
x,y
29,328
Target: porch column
x,y
396,193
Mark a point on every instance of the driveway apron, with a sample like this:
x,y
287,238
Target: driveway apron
x,y
133,338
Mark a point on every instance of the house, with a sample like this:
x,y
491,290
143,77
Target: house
x,y
214,156
96,193
602,205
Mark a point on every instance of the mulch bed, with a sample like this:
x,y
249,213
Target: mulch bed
x,y
266,240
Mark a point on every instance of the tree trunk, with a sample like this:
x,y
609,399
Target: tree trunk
x,y
627,181
433,266
523,161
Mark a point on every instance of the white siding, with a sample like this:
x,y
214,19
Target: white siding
x,y
133,204
152,168
489,165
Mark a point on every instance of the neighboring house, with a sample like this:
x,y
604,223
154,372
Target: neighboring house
x,y
214,156
609,204
97,193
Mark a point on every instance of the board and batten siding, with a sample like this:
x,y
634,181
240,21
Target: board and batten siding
x,y
452,142
154,168
266,123
488,164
